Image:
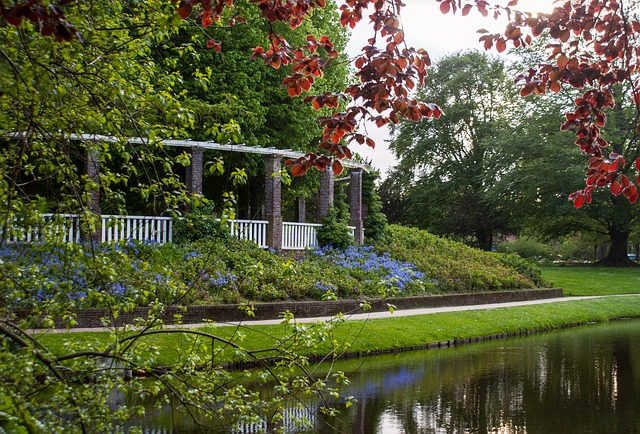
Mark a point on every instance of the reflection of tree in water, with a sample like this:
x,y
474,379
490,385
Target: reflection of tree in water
x,y
579,381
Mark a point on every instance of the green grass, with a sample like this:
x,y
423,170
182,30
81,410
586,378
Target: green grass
x,y
593,280
380,334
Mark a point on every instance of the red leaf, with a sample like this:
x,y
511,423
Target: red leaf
x,y
615,188
445,7
578,201
337,167
298,170
185,9
213,44
501,45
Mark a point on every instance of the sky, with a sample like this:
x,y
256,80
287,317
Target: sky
x,y
426,27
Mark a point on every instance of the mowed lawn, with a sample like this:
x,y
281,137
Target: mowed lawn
x,y
593,280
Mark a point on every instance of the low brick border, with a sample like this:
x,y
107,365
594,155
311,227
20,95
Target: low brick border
x,y
88,318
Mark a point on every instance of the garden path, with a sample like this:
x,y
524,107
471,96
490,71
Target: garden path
x,y
368,315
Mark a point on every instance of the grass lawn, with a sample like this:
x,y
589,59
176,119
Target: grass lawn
x,y
378,334
593,280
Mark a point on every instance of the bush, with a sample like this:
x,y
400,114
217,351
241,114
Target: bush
x,y
450,265
334,232
523,266
198,225
526,248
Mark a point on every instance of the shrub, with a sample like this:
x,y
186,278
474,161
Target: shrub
x,y
526,248
450,265
198,225
522,266
334,232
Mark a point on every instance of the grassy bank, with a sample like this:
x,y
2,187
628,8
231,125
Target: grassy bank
x,y
577,281
381,334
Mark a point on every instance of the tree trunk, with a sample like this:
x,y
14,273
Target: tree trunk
x,y
485,239
617,255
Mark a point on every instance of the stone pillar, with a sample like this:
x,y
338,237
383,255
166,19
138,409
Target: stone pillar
x,y
194,170
301,210
356,217
273,201
325,201
92,170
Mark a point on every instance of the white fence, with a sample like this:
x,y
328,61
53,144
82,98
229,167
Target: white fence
x,y
140,228
253,230
66,228
63,228
299,236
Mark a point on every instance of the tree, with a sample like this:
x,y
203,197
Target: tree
x,y
447,166
592,47
538,170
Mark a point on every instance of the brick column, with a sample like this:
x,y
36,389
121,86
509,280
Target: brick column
x,y
194,170
301,210
325,201
356,217
92,170
273,201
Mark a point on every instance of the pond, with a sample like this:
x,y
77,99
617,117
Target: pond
x,y
584,380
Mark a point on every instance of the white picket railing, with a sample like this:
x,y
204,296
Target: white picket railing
x,y
63,228
299,236
114,228
139,228
253,230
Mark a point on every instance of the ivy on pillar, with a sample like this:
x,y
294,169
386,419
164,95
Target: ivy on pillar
x,y
356,215
273,201
325,201
194,170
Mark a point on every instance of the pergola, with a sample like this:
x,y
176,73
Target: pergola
x,y
273,185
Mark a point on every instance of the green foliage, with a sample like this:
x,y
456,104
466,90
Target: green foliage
x,y
446,177
197,225
526,247
334,232
523,266
452,266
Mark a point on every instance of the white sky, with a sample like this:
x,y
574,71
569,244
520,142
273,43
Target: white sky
x,y
426,27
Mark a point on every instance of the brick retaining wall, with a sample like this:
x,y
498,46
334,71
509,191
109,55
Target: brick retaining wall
x,y
301,309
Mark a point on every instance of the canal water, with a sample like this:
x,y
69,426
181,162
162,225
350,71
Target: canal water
x,y
583,380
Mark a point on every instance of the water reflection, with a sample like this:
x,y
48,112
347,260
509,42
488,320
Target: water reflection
x,y
578,381
584,380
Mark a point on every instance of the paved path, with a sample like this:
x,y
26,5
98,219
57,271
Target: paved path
x,y
367,315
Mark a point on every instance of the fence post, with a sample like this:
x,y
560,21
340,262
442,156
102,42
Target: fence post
x,y
273,200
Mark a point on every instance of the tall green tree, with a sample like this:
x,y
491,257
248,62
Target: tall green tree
x,y
541,171
446,166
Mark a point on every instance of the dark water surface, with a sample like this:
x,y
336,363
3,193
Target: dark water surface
x,y
584,380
